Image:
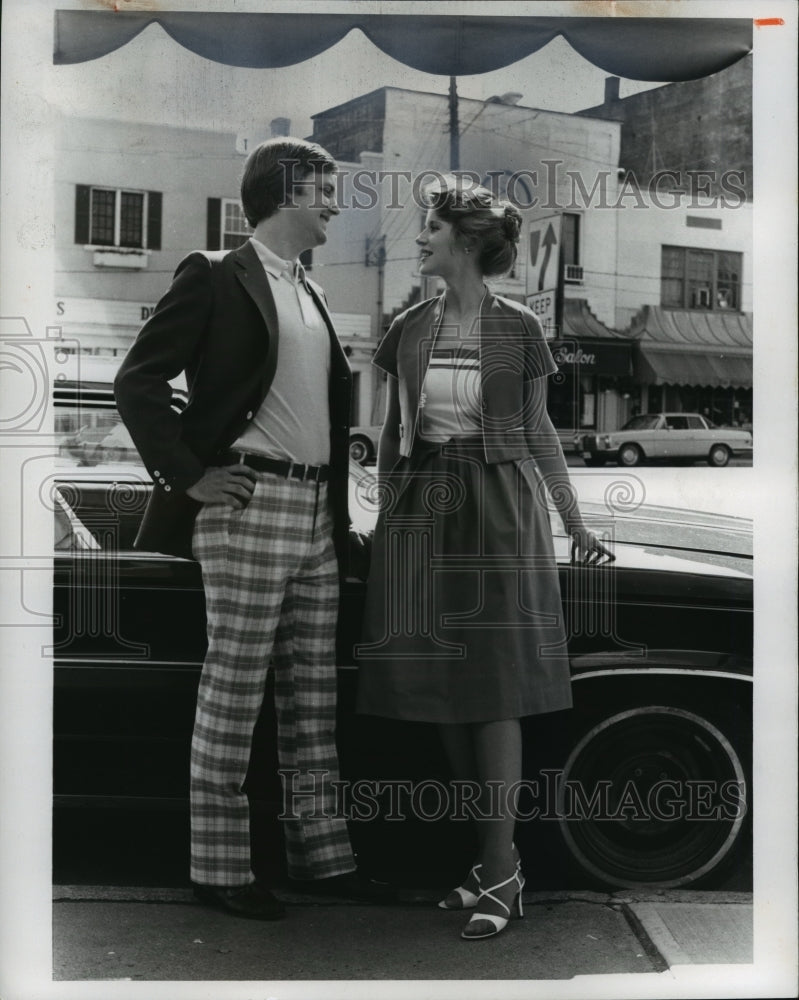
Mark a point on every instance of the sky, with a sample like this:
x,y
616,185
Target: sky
x,y
153,79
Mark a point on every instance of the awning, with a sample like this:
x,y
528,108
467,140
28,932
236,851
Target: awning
x,y
692,347
639,48
579,322
656,365
589,347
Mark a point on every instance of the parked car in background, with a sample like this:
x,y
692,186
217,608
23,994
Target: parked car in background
x,y
363,444
667,436
646,782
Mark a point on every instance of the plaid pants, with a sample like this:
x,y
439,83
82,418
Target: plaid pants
x,y
271,588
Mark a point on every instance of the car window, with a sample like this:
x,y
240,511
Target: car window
x,y
88,428
70,533
677,423
695,423
102,512
643,422
88,437
363,497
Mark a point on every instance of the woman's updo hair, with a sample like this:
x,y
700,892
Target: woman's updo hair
x,y
482,222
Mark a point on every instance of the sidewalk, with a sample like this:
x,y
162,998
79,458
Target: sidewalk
x,y
141,934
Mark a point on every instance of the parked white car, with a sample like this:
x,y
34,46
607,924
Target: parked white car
x,y
665,436
363,444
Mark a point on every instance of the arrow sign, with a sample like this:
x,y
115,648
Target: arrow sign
x,y
550,239
543,260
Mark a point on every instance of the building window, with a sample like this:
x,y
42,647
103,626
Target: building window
x,y
115,217
227,227
700,279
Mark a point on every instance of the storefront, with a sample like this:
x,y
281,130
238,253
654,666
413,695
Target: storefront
x,y
593,389
694,362
107,328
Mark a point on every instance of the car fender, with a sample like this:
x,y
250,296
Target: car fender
x,y
614,663
637,444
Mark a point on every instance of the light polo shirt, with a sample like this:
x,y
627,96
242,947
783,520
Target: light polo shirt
x,y
293,422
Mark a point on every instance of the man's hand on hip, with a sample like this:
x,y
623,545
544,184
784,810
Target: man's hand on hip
x,y
229,484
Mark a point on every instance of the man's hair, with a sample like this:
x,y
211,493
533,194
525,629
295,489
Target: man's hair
x,y
272,171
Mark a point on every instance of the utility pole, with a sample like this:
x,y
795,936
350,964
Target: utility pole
x,y
376,257
454,129
428,285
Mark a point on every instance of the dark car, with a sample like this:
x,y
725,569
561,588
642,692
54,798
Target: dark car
x,y
647,781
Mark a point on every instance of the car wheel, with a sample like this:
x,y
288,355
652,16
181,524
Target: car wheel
x,y
360,450
719,456
653,796
630,454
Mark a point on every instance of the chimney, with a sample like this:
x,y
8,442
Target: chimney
x,y
611,90
280,126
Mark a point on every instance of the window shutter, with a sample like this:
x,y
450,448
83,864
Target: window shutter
x,y
213,231
82,203
154,200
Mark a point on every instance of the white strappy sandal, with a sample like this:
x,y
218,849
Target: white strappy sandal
x,y
467,899
499,922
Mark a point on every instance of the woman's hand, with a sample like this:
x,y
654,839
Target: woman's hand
x,y
586,543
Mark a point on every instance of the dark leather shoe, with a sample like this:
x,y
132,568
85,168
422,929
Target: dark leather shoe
x,y
351,885
251,900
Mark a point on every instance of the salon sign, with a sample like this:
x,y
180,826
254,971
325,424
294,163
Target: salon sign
x,y
573,355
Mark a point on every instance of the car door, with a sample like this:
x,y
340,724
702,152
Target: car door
x,y
653,439
678,438
702,435
128,642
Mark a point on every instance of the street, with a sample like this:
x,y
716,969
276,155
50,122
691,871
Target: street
x,y
737,461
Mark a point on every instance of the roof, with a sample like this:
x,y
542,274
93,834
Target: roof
x,y
375,95
580,323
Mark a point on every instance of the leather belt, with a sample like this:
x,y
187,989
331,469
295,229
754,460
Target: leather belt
x,y
289,470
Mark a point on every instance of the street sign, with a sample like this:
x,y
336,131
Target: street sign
x,y
543,305
543,261
544,256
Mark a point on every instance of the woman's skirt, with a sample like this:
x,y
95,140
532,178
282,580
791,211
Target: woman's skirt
x,y
463,619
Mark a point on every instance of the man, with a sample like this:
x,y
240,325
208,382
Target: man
x,y
252,480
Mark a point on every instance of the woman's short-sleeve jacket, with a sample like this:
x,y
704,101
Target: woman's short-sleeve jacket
x,y
514,363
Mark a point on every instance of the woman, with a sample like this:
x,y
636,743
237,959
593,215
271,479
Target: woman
x,y
463,623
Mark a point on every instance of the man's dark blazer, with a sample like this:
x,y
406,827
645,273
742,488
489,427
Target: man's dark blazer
x,y
218,324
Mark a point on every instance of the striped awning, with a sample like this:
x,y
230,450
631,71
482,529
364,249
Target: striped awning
x,y
692,347
656,365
